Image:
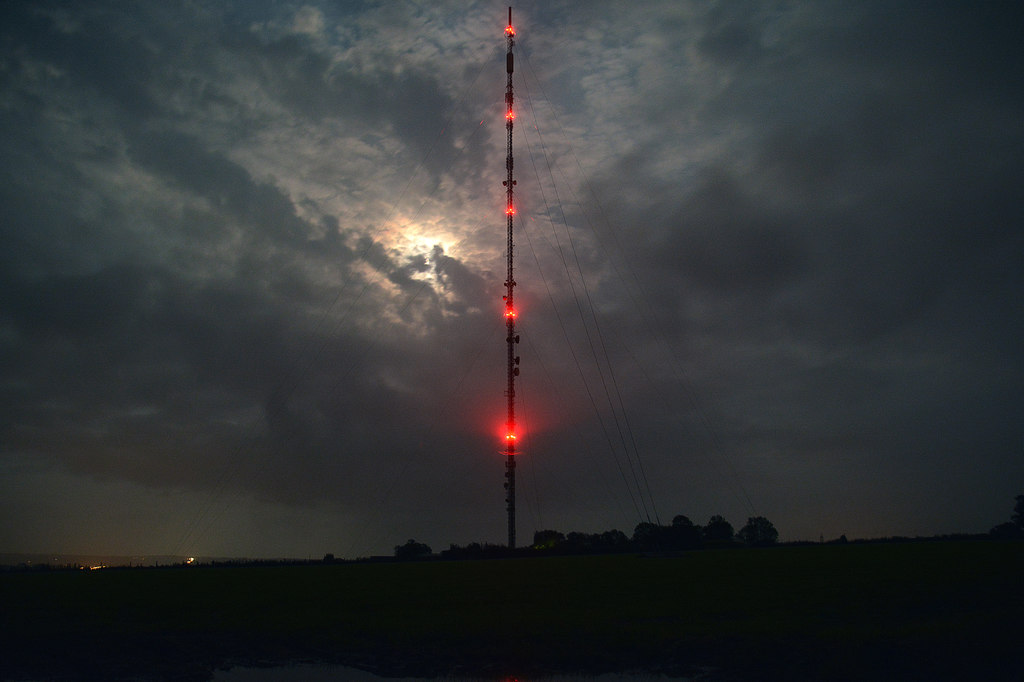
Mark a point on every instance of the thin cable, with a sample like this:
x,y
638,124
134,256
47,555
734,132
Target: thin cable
x,y
579,307
644,307
569,346
553,386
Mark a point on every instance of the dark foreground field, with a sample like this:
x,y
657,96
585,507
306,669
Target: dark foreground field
x,y
936,610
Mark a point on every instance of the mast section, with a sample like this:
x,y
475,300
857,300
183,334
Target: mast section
x,y
510,312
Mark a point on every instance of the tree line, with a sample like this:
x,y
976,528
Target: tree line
x,y
1014,528
682,534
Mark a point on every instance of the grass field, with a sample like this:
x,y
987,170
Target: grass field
x,y
928,610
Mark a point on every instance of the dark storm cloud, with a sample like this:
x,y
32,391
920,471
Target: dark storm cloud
x,y
100,47
861,165
252,257
164,378
395,94
466,286
183,161
838,242
725,242
73,305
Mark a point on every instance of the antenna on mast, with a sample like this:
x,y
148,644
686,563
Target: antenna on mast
x,y
511,338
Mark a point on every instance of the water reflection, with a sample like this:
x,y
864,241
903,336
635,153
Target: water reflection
x,y
335,673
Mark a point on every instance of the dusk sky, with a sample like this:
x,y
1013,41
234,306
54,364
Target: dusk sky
x,y
770,261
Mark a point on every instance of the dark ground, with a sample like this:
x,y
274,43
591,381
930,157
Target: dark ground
x,y
911,611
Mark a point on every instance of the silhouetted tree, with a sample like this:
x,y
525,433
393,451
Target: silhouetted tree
x,y
547,539
613,540
718,530
684,534
1014,528
412,550
650,536
1006,531
475,550
578,542
328,558
759,532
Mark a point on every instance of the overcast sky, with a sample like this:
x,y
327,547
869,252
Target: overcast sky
x,y
769,262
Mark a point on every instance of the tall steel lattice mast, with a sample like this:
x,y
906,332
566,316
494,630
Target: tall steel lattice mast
x,y
510,312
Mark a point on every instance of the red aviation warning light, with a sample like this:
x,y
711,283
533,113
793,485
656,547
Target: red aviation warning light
x,y
511,312
510,439
509,30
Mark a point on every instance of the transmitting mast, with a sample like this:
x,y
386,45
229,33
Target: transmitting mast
x,y
510,312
